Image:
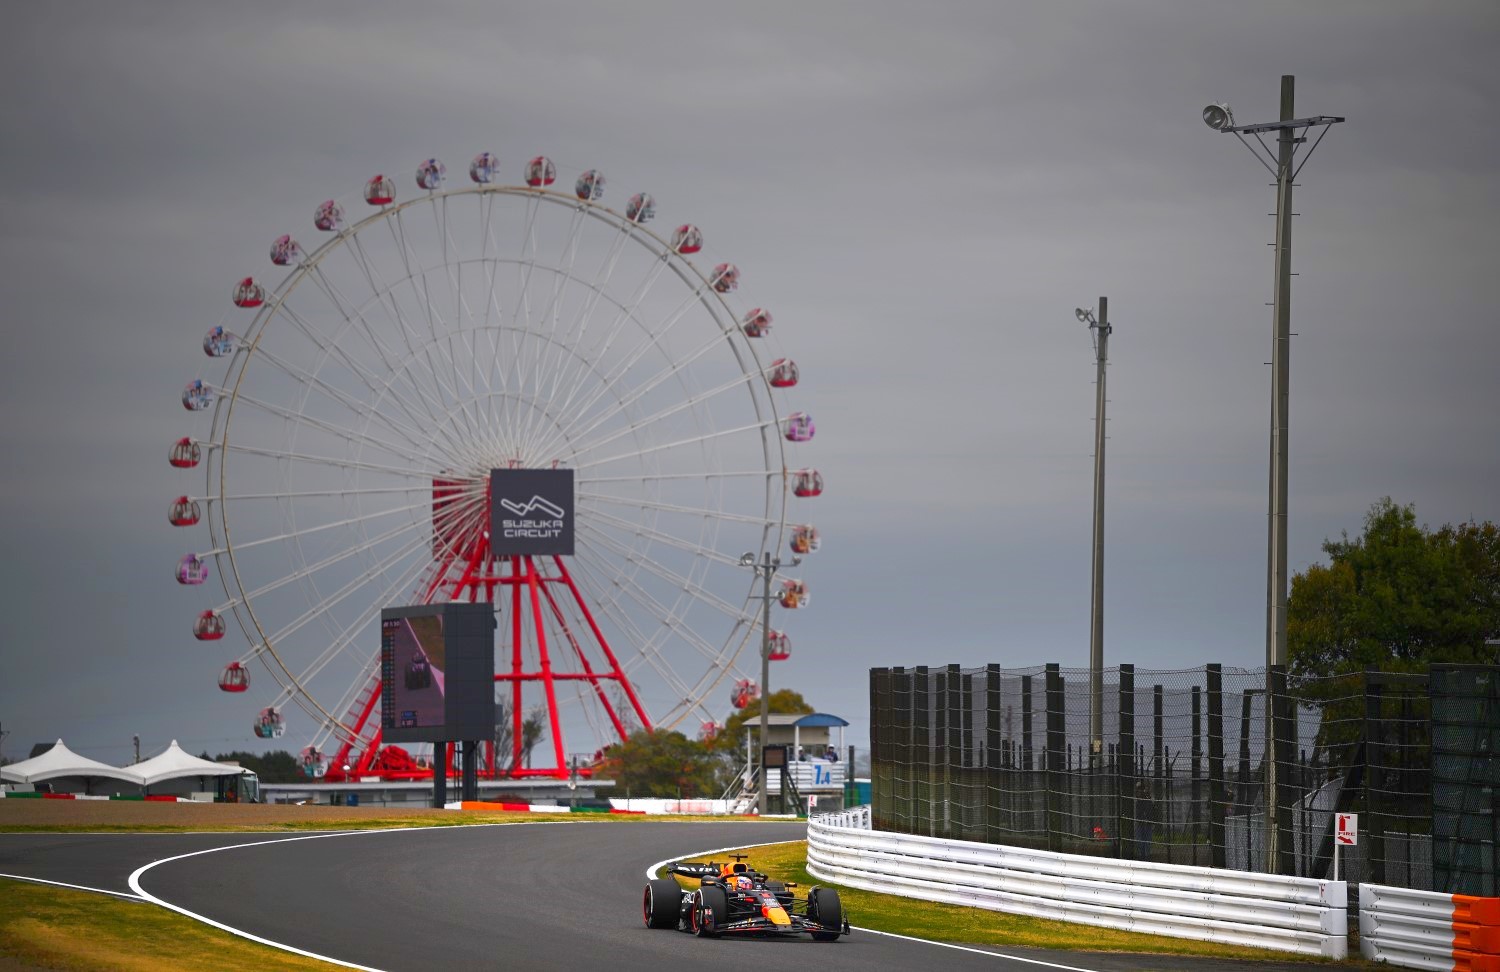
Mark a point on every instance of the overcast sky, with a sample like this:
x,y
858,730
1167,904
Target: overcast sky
x,y
923,192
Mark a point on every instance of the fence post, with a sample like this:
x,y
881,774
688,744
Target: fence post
x,y
1195,795
1216,792
1125,760
1375,849
952,751
1283,751
993,793
880,754
921,744
1056,739
941,716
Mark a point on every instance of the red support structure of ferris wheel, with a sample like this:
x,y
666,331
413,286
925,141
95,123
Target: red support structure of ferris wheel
x,y
465,552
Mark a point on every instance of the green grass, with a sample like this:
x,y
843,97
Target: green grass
x,y
57,928
978,926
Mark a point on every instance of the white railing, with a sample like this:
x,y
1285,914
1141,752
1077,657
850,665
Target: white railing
x,y
1428,929
1291,914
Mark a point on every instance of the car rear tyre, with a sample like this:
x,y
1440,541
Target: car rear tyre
x,y
824,907
661,906
710,906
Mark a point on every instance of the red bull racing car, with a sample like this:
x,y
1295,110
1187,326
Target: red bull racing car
x,y
733,899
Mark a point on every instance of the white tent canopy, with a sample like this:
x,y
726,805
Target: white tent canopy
x,y
60,761
176,763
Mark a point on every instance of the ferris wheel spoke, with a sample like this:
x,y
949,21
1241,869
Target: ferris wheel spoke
x,y
308,570
698,511
705,475
566,376
354,405
338,431
333,461
354,629
626,314
549,320
648,651
697,549
355,320
689,403
325,527
677,581
679,443
434,317
386,295
334,349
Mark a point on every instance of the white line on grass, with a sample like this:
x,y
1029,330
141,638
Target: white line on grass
x,y
75,887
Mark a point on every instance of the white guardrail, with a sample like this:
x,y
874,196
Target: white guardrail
x,y
1429,930
1290,914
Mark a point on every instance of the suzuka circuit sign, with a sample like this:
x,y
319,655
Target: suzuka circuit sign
x,y
531,512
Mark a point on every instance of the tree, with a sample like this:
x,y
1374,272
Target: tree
x,y
533,728
664,763
1397,598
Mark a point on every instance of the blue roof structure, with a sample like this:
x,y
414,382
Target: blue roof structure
x,y
818,719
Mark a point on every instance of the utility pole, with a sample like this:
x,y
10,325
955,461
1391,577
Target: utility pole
x,y
1100,330
1291,135
765,569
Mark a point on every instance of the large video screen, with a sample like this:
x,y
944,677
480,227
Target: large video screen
x,y
437,672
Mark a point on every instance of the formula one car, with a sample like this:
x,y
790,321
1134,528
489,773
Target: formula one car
x,y
732,899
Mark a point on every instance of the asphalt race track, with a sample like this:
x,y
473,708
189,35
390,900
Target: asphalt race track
x,y
530,896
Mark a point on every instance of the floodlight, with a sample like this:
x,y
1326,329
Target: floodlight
x,y
747,560
1083,315
1218,116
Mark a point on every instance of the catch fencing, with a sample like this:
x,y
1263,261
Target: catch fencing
x,y
1183,762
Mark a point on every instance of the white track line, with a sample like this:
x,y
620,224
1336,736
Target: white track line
x,y
75,887
135,885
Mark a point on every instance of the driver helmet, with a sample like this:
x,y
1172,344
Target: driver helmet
x,y
743,882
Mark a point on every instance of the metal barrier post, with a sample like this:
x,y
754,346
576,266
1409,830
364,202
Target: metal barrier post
x,y
1056,740
1216,793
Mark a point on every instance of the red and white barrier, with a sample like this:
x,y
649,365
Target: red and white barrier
x,y
1429,930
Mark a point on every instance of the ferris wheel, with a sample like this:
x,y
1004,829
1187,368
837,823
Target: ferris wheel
x,y
415,343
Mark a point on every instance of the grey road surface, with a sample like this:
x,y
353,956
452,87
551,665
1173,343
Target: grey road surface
x,y
536,896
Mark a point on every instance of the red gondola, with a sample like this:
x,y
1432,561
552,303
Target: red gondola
x,y
248,293
756,322
793,594
590,185
197,396
805,539
430,174
184,512
191,570
807,482
185,454
783,373
483,168
208,626
219,343
235,678
270,724
781,646
708,730
540,172
799,427
380,190
640,208
745,691
285,251
725,278
687,238
329,217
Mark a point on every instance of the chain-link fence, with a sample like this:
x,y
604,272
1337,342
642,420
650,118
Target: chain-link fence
x,y
1172,766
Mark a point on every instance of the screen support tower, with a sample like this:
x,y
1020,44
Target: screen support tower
x,y
551,638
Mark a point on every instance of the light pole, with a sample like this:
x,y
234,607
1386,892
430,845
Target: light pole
x,y
1100,330
1283,164
765,569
